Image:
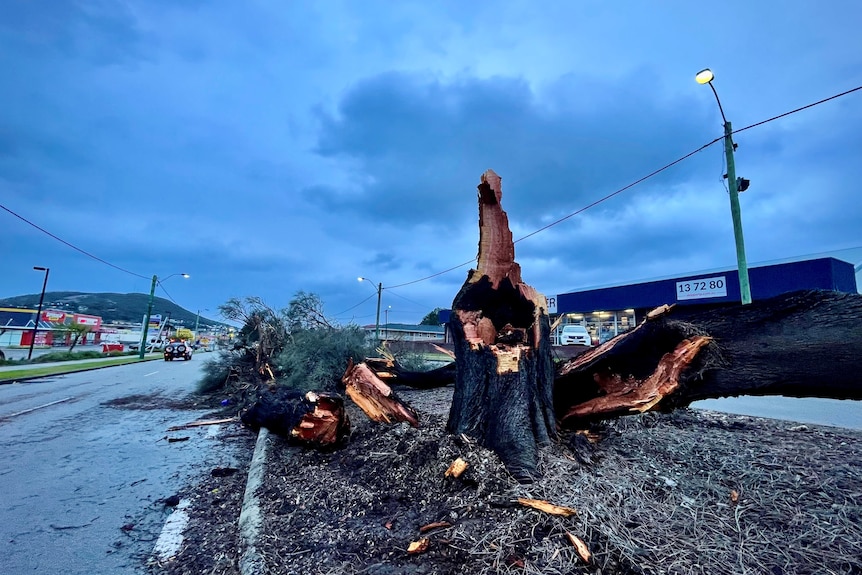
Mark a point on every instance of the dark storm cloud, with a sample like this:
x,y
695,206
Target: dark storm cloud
x,y
100,32
422,144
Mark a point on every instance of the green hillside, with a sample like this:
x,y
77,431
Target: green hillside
x,y
122,307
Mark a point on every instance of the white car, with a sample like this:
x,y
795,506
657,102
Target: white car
x,y
573,334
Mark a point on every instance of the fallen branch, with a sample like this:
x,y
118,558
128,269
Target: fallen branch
x,y
202,423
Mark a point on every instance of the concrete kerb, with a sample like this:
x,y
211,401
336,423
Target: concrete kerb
x,y
250,520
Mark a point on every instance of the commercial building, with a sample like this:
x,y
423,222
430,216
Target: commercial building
x,y
608,311
406,332
16,327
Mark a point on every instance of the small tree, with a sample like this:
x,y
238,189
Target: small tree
x,y
78,332
432,318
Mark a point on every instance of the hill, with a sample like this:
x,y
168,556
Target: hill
x,y
120,307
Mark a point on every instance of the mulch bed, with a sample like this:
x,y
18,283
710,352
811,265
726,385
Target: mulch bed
x,y
686,492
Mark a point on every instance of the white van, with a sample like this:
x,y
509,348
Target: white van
x,y
573,334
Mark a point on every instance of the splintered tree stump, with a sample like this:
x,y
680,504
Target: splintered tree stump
x,y
801,344
374,397
504,372
312,419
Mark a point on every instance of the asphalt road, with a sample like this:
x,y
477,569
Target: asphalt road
x,y
82,482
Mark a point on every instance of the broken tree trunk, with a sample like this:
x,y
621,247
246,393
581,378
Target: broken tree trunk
x,y
312,419
500,328
374,397
802,344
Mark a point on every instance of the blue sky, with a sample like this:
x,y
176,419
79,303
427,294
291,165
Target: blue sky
x,y
271,147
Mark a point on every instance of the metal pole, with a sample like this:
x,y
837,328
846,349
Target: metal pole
x,y
197,320
147,319
377,325
742,264
38,313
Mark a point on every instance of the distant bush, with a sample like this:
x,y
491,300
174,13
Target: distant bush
x,y
67,356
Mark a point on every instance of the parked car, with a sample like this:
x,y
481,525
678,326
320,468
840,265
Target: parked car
x,y
178,349
574,334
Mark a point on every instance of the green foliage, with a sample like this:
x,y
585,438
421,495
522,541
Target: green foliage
x,y
432,318
317,358
298,344
216,370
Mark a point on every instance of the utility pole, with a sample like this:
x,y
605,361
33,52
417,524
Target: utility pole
x,y
377,327
706,76
146,325
736,214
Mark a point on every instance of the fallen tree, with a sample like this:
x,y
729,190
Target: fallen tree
x,y
509,398
800,344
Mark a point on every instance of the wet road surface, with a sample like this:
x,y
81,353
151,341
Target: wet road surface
x,y
83,476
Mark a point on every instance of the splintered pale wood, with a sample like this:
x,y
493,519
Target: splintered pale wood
x,y
458,467
417,547
580,547
496,248
547,507
323,425
636,396
374,397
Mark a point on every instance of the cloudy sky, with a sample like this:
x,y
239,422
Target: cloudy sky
x,y
267,147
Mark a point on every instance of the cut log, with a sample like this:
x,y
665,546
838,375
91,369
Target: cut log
x,y
312,419
801,344
374,397
500,328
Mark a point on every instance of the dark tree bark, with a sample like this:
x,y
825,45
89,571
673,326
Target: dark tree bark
x,y
500,328
311,419
802,344
390,370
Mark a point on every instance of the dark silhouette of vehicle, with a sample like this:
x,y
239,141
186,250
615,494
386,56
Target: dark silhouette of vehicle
x,y
178,349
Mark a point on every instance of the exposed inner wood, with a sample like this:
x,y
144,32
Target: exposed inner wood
x,y
374,397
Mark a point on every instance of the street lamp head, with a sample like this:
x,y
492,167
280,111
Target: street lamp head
x,y
41,269
705,76
360,278
187,276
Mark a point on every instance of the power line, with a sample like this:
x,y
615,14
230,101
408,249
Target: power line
x,y
648,176
77,249
356,306
856,89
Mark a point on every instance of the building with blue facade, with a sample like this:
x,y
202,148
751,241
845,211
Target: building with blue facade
x,y
611,310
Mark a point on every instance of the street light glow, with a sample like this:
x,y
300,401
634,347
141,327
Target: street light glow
x,y
705,76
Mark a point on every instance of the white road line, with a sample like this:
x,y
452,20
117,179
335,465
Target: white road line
x,y
171,537
151,373
39,407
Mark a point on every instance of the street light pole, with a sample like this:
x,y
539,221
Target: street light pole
x,y
38,313
197,320
379,294
146,326
705,77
